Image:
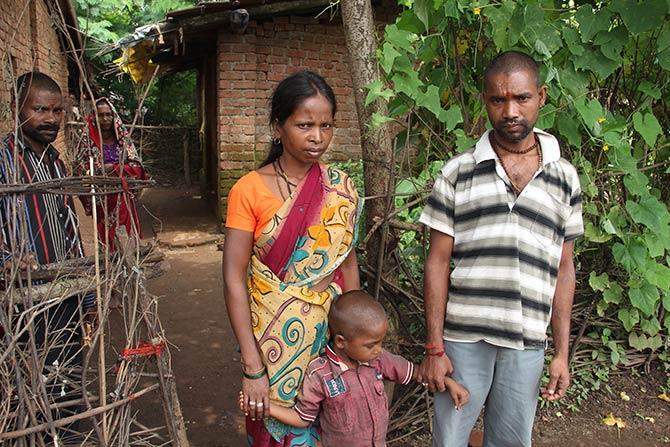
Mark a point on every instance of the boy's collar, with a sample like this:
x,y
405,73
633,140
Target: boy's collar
x,y
334,358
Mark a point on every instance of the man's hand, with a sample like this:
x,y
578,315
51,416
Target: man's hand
x,y
433,370
559,379
24,263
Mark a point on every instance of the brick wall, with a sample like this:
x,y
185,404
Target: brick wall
x,y
29,42
249,68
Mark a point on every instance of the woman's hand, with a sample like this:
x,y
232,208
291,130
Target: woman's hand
x,y
256,401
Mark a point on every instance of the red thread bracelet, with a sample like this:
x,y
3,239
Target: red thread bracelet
x,y
429,346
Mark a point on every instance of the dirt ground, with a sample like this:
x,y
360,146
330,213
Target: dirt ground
x,y
206,364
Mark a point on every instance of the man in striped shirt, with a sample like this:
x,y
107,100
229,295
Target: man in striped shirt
x,y
506,213
41,228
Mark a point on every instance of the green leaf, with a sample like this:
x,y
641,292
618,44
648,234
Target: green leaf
x,y
547,117
500,17
599,282
430,100
650,213
451,9
594,60
573,81
379,120
568,127
629,318
593,233
655,244
609,228
407,83
547,39
590,23
400,38
658,275
631,255
636,183
651,326
613,294
590,113
638,342
388,56
571,38
649,89
377,90
452,117
647,125
663,48
408,21
463,142
424,11
645,298
622,159
641,16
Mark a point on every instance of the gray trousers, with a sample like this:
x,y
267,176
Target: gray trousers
x,y
505,380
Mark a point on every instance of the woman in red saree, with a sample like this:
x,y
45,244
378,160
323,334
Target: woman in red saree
x,y
289,251
107,140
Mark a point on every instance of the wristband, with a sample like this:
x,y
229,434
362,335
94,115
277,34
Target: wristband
x,y
428,346
256,375
436,353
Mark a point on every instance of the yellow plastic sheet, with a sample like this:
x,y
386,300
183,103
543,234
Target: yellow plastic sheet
x,y
136,61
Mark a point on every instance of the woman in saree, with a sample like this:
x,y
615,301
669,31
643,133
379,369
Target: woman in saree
x,y
289,252
107,140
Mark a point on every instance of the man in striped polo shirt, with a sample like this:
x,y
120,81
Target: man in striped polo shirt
x,y
37,229
506,212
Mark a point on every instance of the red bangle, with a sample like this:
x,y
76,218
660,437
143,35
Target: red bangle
x,y
436,353
429,346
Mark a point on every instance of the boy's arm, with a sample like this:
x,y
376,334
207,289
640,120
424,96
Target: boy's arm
x,y
397,368
288,416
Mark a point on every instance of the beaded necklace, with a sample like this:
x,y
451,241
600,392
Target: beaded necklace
x,y
281,173
516,189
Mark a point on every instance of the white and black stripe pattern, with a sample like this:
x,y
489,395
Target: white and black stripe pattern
x,y
52,222
507,249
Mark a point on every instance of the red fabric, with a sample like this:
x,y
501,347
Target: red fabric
x,y
93,131
127,210
258,436
306,208
144,349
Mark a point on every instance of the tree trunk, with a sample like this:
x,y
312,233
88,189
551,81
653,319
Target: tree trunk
x,y
377,151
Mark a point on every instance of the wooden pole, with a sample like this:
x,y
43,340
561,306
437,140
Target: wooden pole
x,y
77,417
187,164
102,379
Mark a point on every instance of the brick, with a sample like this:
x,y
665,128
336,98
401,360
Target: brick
x,y
231,75
303,20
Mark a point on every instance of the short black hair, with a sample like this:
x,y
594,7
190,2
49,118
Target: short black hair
x,y
511,62
354,312
34,79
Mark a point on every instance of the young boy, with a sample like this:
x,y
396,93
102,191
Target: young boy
x,y
345,386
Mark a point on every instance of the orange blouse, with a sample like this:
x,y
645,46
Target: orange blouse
x,y
251,205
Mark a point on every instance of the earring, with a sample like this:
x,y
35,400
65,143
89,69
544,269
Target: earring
x,y
276,141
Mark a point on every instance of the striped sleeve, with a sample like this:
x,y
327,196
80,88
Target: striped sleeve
x,y
396,368
308,403
439,211
574,226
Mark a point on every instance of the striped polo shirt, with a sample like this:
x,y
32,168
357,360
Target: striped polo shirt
x,y
507,248
51,221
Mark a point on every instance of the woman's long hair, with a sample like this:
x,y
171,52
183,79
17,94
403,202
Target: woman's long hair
x,y
288,96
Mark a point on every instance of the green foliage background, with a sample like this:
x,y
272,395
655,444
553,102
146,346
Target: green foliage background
x,y
171,100
606,65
